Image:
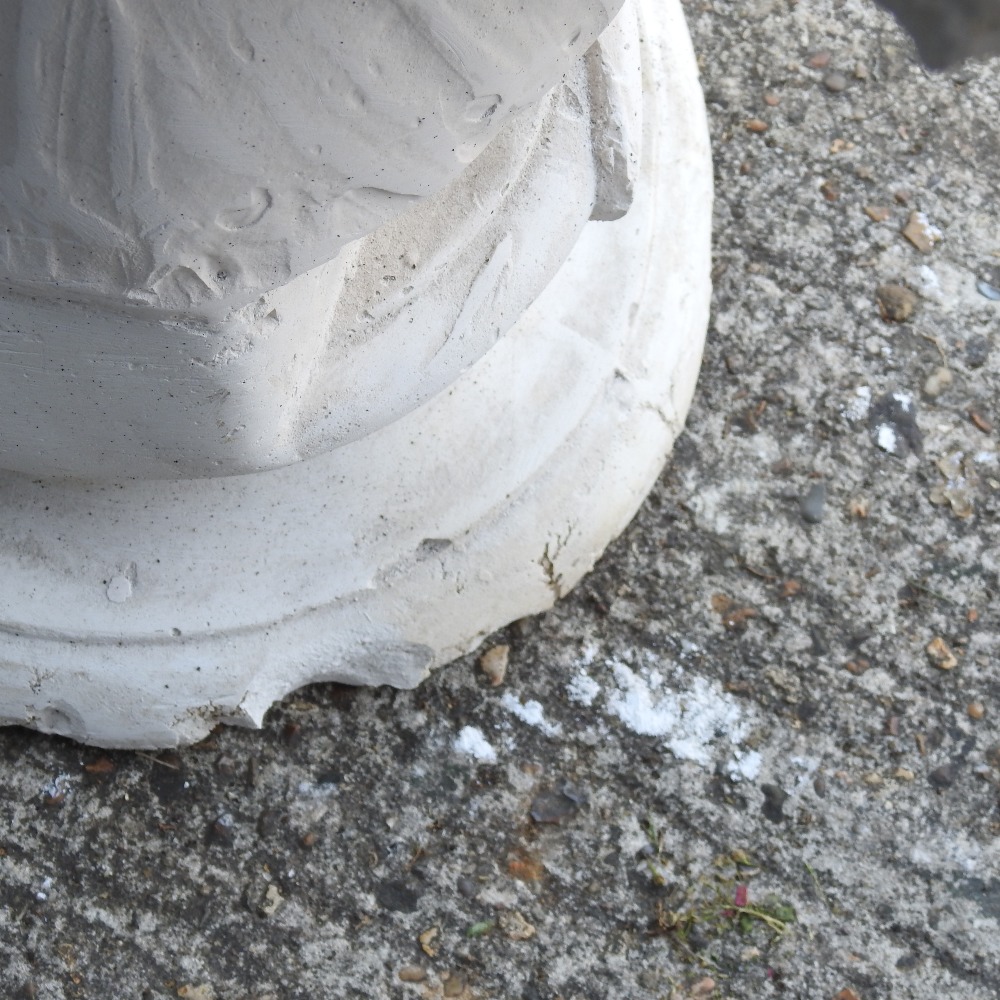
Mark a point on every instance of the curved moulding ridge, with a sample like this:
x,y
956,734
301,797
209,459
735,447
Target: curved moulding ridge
x,y
142,613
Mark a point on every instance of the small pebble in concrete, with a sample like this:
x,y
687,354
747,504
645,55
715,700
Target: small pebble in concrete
x,y
553,806
774,803
271,901
878,213
397,896
847,994
981,422
412,974
835,82
467,887
941,655
813,502
896,303
204,991
515,927
221,830
858,507
938,382
454,985
919,231
427,941
943,776
493,663
988,291
977,351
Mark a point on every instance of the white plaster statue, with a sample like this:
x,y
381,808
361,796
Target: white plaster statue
x,y
323,353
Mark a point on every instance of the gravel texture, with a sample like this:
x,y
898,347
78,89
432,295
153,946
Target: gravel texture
x,y
756,753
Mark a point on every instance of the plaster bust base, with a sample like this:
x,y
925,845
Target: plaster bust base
x,y
142,613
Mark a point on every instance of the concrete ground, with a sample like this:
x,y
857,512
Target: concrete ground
x,y
756,753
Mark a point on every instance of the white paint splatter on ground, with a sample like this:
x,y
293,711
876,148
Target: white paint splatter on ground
x,y
932,232
690,721
582,689
930,283
886,438
531,713
858,407
745,765
471,741
695,719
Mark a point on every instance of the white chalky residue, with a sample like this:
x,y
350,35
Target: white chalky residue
x,y
857,408
930,283
582,689
930,231
471,741
886,438
688,721
745,765
530,712
587,655
904,399
314,790
941,853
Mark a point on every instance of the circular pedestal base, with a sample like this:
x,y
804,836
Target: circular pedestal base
x,y
141,614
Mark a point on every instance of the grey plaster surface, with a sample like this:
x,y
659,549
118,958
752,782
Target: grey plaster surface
x,y
764,711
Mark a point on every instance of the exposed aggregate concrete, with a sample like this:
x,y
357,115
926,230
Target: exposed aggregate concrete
x,y
740,694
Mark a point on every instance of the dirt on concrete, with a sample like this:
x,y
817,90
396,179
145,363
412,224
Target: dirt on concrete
x,y
755,754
